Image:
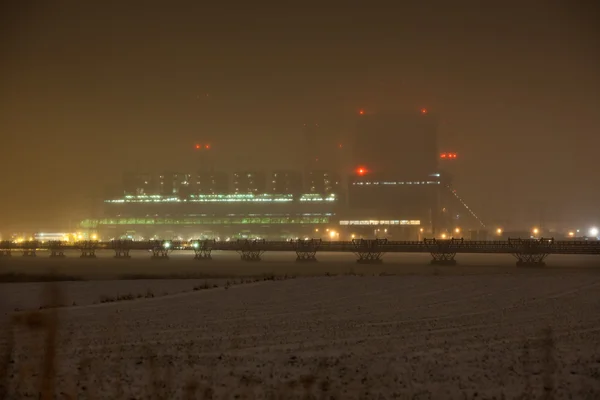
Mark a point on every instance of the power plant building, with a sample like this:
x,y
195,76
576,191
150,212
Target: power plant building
x,y
286,181
210,182
395,190
249,182
396,175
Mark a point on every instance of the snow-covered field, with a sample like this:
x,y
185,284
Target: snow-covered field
x,y
32,295
436,335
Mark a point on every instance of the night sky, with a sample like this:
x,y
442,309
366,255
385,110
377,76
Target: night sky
x,y
91,89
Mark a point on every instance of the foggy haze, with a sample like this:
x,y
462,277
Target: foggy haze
x,y
89,91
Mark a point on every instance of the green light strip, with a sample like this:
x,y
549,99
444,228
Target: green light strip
x,y
95,223
226,198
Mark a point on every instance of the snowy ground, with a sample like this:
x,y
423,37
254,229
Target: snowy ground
x,y
32,296
440,336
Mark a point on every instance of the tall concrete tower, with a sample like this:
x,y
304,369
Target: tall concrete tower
x,y
397,146
311,154
395,172
203,157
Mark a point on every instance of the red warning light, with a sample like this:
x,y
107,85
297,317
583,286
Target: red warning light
x,y
198,147
423,111
361,112
448,155
361,171
340,145
207,146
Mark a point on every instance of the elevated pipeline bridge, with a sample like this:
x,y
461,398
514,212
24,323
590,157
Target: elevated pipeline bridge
x,y
367,251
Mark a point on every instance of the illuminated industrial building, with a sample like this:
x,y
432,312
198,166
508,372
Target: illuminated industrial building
x,y
397,146
323,182
286,181
140,184
195,208
174,183
396,189
249,182
210,182
166,183
396,176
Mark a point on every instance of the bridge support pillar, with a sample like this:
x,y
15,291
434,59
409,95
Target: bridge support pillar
x,y
160,254
88,249
443,259
29,253
531,252
161,250
56,249
29,249
251,255
251,250
443,252
530,260
5,248
202,249
369,251
122,253
121,248
306,250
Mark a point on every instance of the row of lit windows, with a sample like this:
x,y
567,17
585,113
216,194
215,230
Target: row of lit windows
x,y
223,198
398,183
185,176
94,223
229,195
382,222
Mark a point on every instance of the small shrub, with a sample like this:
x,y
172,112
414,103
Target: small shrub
x,y
107,299
203,286
124,297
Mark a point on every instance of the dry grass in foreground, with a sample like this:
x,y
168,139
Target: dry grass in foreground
x,y
13,277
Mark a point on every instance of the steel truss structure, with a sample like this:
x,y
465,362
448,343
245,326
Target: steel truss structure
x,y
528,252
202,249
88,248
306,250
161,249
27,249
251,250
369,251
121,248
531,252
443,251
57,248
